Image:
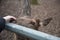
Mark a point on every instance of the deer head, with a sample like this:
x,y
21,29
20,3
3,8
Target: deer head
x,y
36,22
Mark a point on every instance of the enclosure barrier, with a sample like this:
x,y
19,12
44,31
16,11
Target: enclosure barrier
x,y
24,31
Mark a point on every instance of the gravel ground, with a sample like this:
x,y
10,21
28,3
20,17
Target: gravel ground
x,y
45,9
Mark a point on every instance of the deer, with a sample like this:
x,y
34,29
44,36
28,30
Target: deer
x,y
35,22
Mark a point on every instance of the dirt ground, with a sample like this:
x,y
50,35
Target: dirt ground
x,y
45,9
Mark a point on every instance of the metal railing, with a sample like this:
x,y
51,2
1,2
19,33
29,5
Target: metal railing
x,y
24,31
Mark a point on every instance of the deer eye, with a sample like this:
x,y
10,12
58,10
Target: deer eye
x,y
33,23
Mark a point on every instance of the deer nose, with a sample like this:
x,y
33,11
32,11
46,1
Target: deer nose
x,y
12,20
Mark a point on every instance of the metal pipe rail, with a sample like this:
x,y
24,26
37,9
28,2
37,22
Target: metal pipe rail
x,y
37,35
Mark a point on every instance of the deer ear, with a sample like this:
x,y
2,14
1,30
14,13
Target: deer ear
x,y
46,21
37,22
